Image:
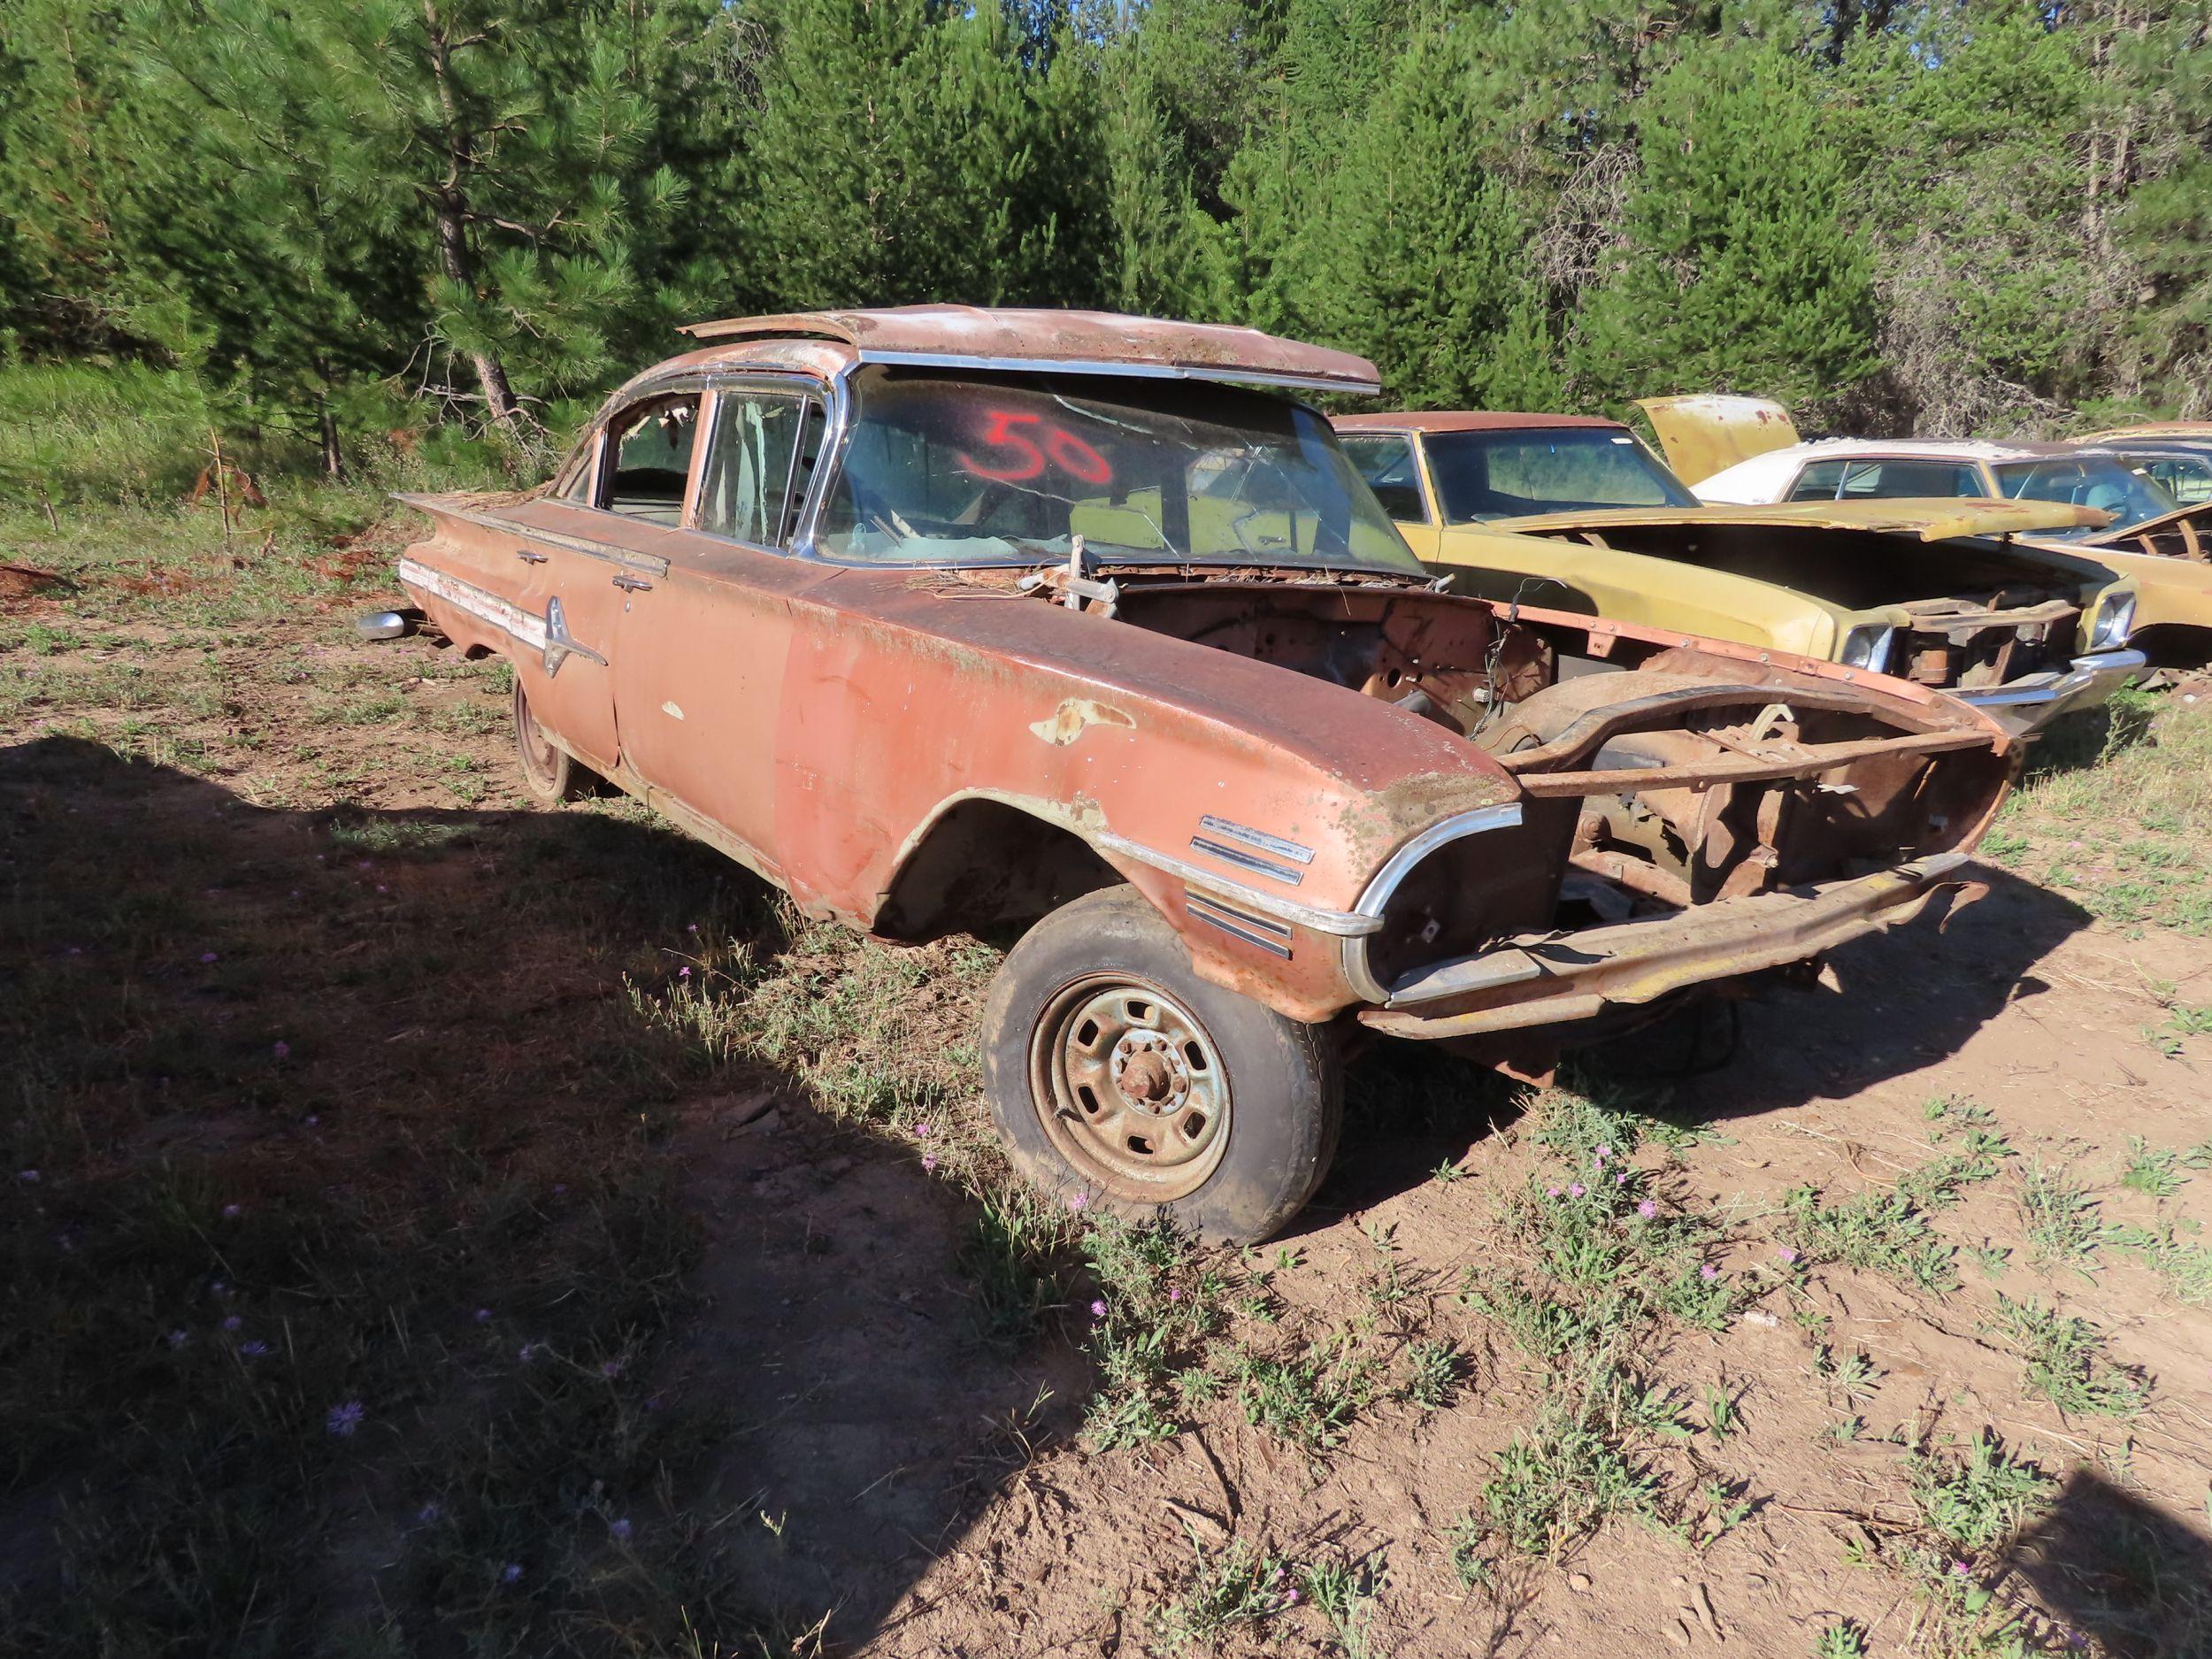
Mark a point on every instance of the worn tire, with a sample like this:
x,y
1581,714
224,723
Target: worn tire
x,y
548,774
1274,1087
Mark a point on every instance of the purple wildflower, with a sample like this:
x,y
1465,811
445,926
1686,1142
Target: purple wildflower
x,y
1098,1310
1602,1153
559,1189
1646,1210
344,1419
610,1368
1577,1190
619,1530
483,1316
29,1176
208,956
693,928
428,1513
923,1131
1620,1177
178,1339
512,1572
1080,1201
1788,1254
1551,1191
1175,1295
253,1350
280,1048
1708,1272
312,1120
231,1212
1961,1569
233,1322
1291,1595
929,1162
529,1352
684,973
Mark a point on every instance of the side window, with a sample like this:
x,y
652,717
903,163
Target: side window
x,y
757,466
1889,480
1818,481
649,445
1385,461
2187,480
583,473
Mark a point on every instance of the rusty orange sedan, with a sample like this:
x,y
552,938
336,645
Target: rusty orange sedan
x,y
944,618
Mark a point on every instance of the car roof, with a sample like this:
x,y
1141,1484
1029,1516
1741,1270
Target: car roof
x,y
1934,450
1467,420
1018,339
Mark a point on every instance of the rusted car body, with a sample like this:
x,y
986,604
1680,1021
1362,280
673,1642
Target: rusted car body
x,y
1747,450
1573,510
945,620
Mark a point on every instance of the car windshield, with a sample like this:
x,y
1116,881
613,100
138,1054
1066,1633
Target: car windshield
x,y
2085,480
1514,473
977,469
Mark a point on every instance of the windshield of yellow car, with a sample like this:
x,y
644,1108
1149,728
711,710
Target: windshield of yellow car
x,y
2085,480
1516,474
950,469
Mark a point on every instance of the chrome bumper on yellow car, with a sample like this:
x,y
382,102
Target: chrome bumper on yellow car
x,y
2027,705
1550,978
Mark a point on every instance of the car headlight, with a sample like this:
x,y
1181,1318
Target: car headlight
x,y
2110,630
1868,646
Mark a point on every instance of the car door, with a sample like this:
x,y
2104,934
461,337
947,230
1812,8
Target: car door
x,y
584,548
698,683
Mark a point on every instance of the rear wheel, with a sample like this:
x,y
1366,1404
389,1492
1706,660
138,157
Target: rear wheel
x,y
1115,1072
548,774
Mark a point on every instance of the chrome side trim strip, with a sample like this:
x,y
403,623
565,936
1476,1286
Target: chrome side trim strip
x,y
1384,882
1249,929
1338,924
437,508
1233,830
1120,371
503,614
1243,860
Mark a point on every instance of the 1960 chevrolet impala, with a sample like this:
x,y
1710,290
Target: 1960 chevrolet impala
x,y
951,619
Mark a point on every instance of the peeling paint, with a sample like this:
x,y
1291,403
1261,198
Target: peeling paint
x,y
1074,717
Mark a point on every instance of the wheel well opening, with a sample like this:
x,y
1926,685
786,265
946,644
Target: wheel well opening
x,y
986,864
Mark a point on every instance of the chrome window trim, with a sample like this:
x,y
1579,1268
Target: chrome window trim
x,y
1376,895
808,390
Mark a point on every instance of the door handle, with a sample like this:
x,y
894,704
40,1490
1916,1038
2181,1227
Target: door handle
x,y
528,558
633,585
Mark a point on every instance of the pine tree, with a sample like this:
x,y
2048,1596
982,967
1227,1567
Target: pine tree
x,y
1741,270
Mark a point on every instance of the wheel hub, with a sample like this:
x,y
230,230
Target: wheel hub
x,y
1128,1085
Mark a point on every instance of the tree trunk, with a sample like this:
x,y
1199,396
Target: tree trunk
x,y
450,208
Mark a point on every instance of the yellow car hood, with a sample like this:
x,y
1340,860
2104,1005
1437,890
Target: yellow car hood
x,y
1931,520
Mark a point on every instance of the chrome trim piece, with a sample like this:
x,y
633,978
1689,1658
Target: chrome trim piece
x,y
607,550
1120,371
381,624
1376,898
1338,924
1236,831
1266,936
1243,860
548,634
2084,674
560,644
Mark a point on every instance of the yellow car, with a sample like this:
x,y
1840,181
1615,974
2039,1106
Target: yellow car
x,y
1574,513
1745,450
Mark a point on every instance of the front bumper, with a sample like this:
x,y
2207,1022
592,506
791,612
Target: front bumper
x,y
2027,705
1546,979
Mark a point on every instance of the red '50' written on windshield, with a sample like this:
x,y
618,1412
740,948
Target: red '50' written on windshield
x,y
1025,444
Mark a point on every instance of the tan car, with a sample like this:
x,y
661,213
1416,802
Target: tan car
x,y
944,618
1746,450
1573,511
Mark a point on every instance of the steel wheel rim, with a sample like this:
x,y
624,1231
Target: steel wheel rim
x,y
539,756
1129,1088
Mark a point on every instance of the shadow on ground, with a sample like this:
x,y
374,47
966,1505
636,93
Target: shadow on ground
x,y
363,1106
2120,1570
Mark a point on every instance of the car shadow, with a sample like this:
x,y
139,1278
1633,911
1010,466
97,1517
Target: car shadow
x,y
309,1005
1893,1003
2119,1570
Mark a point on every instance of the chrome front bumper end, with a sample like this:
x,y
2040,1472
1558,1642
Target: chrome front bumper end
x,y
2024,706
1556,979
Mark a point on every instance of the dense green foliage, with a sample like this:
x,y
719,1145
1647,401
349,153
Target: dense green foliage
x,y
337,218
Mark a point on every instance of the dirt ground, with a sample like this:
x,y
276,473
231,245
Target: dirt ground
x,y
882,1461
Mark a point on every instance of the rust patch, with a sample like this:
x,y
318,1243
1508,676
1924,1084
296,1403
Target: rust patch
x,y
1074,717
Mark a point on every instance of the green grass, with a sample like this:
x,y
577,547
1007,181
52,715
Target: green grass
x,y
1238,1585
2061,1217
2065,1363
1975,1503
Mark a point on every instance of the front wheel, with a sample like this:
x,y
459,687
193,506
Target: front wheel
x,y
1114,1072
